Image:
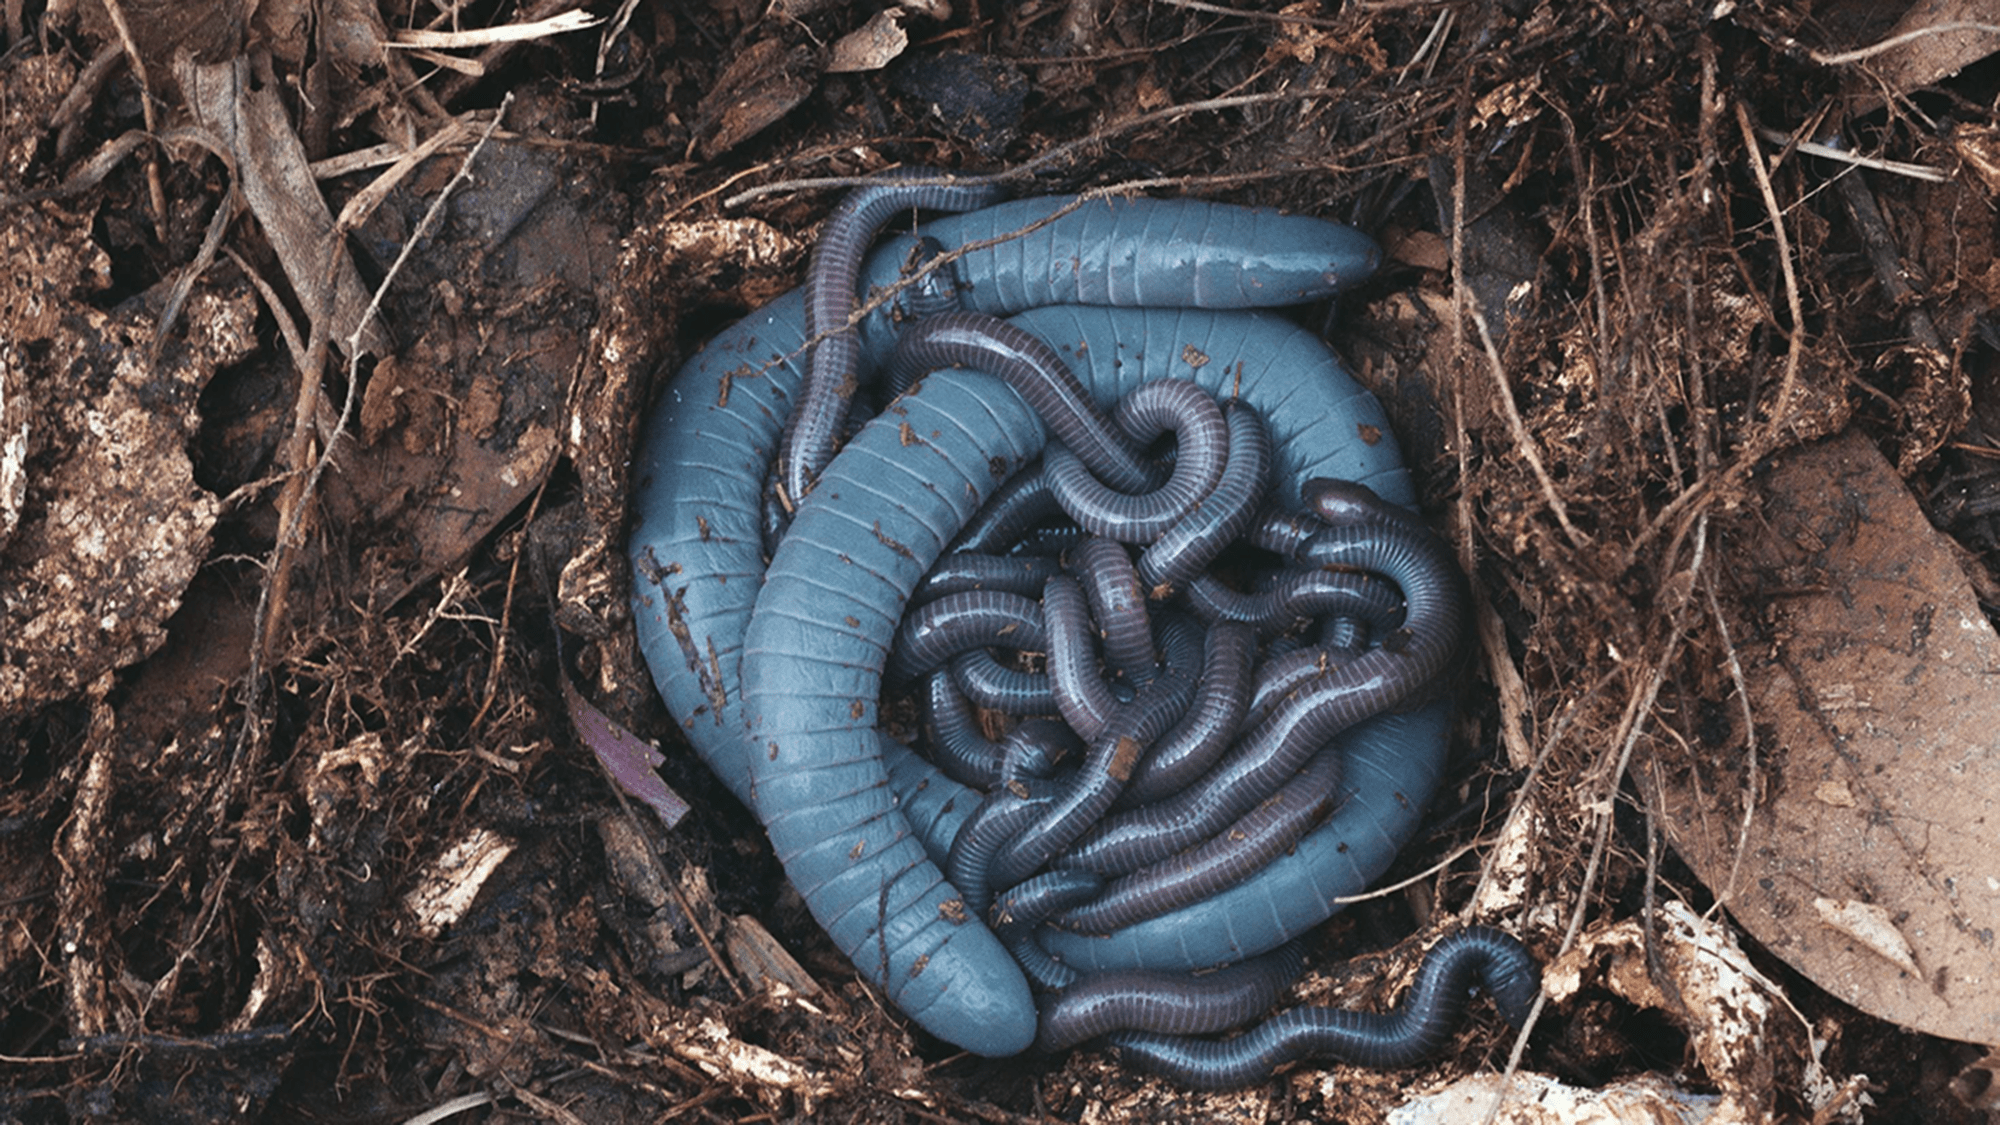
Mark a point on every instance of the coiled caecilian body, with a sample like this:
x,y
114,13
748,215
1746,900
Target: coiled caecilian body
x,y
1417,1026
776,673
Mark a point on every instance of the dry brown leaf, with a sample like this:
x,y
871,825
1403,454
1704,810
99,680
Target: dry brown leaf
x,y
459,428
276,180
1878,788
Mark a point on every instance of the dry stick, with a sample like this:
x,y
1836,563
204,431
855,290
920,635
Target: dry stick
x,y
1698,188
507,612
80,890
1384,892
1516,711
1515,708
616,28
1694,375
1521,807
157,193
1461,301
674,887
1788,385
1889,274
287,327
1883,261
409,85
490,58
1650,904
796,160
1630,728
450,1108
1431,49
550,1110
81,95
522,31
210,911
1828,152
1587,203
211,244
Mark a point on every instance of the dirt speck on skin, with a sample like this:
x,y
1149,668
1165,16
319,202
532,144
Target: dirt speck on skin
x,y
283,638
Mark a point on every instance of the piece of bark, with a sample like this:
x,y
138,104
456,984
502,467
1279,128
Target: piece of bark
x,y
762,960
763,83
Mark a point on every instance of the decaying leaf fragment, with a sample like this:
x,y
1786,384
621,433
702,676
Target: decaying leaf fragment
x,y
1715,983
1870,925
110,527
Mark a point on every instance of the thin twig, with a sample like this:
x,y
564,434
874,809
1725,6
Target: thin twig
x,y
505,627
574,20
1431,49
1736,677
1392,888
1842,58
619,21
177,295
1063,151
156,193
1788,384
295,501
288,328
1630,728
1269,17
1828,152
1523,802
1522,440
